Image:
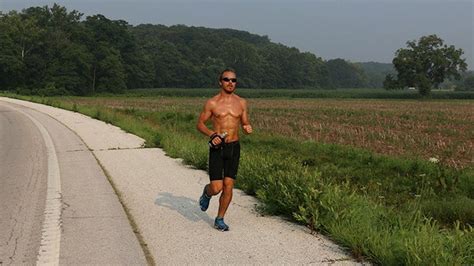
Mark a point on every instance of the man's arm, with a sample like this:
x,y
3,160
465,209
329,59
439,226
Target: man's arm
x,y
203,117
245,118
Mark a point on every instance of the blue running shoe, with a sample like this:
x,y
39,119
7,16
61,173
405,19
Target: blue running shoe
x,y
204,200
220,225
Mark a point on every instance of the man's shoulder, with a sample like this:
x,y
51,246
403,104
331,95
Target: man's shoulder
x,y
212,101
237,97
240,99
213,98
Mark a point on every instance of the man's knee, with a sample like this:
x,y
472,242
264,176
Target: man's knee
x,y
215,187
228,183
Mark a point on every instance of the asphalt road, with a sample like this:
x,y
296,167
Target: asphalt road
x,y
57,206
23,176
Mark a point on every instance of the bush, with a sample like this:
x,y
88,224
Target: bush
x,y
24,91
51,90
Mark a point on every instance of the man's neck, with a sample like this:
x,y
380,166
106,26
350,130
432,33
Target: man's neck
x,y
225,94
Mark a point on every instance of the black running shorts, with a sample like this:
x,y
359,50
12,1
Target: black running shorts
x,y
224,161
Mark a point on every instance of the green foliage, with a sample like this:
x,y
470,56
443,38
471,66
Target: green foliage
x,y
42,45
52,90
376,73
469,83
391,83
299,93
192,152
117,61
450,208
193,57
343,74
427,63
49,45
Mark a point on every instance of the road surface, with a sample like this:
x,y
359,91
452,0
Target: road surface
x,y
82,223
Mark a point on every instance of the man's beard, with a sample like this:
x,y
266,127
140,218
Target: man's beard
x,y
229,92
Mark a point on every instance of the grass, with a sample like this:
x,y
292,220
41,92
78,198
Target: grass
x,y
416,129
301,93
388,208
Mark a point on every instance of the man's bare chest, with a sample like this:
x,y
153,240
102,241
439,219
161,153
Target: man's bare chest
x,y
227,110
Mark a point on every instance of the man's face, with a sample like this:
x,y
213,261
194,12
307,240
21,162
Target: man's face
x,y
228,82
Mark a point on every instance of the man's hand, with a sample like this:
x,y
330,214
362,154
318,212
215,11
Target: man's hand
x,y
247,129
216,140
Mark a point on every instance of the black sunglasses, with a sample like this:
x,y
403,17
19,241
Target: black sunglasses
x,y
234,80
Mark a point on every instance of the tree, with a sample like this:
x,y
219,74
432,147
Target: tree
x,y
244,58
343,74
391,83
19,37
274,56
111,45
469,83
11,65
376,73
426,64
68,60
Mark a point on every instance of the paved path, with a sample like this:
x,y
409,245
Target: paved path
x,y
56,200
161,194
23,184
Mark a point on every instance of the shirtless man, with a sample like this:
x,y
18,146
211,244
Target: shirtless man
x,y
227,111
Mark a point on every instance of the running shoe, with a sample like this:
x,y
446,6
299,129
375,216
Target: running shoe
x,y
220,225
204,200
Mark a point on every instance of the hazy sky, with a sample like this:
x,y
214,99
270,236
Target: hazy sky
x,y
356,30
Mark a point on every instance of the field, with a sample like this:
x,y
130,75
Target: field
x,y
305,93
426,129
359,170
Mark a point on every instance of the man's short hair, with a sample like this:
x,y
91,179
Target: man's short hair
x,y
226,70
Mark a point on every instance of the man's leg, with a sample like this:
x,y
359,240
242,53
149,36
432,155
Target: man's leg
x,y
215,187
209,190
230,170
215,174
226,196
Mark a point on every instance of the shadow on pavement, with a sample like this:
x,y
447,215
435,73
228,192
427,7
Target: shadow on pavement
x,y
187,207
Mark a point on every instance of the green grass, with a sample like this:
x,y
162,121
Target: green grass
x,y
389,210
297,93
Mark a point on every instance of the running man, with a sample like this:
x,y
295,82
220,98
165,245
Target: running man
x,y
227,111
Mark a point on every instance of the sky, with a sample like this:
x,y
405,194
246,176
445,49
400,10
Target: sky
x,y
355,30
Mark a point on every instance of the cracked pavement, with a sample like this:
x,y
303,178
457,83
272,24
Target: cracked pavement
x,y
22,200
93,227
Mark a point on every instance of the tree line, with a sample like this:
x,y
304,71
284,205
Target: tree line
x,y
50,50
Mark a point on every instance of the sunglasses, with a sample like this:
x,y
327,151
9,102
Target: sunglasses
x,y
234,80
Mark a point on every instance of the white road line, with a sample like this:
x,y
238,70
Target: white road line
x,y
48,253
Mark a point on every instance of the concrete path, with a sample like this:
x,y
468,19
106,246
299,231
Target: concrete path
x,y
161,194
